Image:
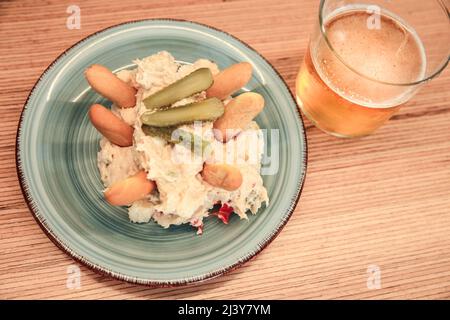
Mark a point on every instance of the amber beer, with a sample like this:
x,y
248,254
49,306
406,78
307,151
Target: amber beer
x,y
352,84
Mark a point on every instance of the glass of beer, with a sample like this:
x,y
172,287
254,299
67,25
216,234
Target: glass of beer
x,y
367,58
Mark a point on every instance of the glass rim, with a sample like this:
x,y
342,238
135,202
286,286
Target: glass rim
x,y
439,69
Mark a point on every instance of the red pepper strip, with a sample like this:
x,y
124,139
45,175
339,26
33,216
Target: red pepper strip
x,y
224,213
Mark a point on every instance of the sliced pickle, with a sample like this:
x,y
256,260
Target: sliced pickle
x,y
195,82
163,133
206,110
181,137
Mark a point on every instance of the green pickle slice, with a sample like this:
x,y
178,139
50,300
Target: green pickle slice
x,y
188,139
163,133
206,110
195,82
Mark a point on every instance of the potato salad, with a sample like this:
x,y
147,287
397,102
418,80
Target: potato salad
x,y
177,145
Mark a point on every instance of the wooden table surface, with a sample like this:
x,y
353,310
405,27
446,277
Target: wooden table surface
x,y
383,200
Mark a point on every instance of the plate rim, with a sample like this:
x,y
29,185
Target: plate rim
x,y
41,221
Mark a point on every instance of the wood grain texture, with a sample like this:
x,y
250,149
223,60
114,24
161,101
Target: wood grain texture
x,y
382,200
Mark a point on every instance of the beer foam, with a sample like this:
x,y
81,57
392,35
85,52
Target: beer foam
x,y
385,50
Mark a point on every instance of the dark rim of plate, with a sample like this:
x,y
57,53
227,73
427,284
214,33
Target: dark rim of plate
x,y
134,280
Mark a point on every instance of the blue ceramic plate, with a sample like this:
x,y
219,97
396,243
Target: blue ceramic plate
x,y
57,149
